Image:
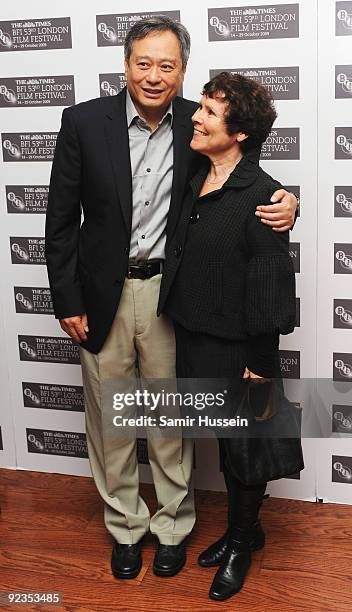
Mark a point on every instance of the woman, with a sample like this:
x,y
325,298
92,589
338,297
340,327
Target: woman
x,y
232,292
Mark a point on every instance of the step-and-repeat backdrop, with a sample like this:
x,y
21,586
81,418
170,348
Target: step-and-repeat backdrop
x,y
54,57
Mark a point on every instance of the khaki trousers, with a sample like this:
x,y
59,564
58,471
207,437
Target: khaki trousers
x,y
137,334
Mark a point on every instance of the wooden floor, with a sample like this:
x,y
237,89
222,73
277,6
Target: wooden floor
x,y
52,538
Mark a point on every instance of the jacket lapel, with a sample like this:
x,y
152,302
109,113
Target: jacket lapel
x,y
116,133
182,134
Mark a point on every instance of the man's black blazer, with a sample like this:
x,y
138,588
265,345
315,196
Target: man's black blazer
x,y
87,262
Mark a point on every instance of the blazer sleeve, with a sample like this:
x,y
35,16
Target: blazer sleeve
x,y
63,221
276,186
270,294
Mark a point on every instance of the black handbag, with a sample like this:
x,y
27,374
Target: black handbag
x,y
270,447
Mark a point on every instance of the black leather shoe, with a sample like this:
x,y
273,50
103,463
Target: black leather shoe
x,y
169,559
230,576
126,560
214,554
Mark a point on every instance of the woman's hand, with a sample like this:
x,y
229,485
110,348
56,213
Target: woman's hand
x,y
248,374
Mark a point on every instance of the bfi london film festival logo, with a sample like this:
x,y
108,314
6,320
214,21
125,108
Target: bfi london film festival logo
x,y
34,146
53,396
342,367
343,81
37,91
48,349
283,82
342,419
63,443
343,142
343,201
253,22
342,258
282,143
31,199
33,300
111,83
341,469
290,364
295,254
32,34
343,19
342,314
112,29
27,250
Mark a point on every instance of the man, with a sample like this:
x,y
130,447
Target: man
x,y
126,160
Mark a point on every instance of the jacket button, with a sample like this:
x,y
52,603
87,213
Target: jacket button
x,y
194,218
178,250
126,250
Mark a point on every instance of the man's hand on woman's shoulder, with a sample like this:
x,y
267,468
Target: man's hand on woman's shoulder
x,y
280,215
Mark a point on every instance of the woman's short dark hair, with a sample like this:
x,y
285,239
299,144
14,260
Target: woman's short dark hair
x,y
159,23
250,107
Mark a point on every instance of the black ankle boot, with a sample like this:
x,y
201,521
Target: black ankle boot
x,y
230,576
214,554
236,561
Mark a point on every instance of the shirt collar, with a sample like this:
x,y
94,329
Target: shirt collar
x,y
132,114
